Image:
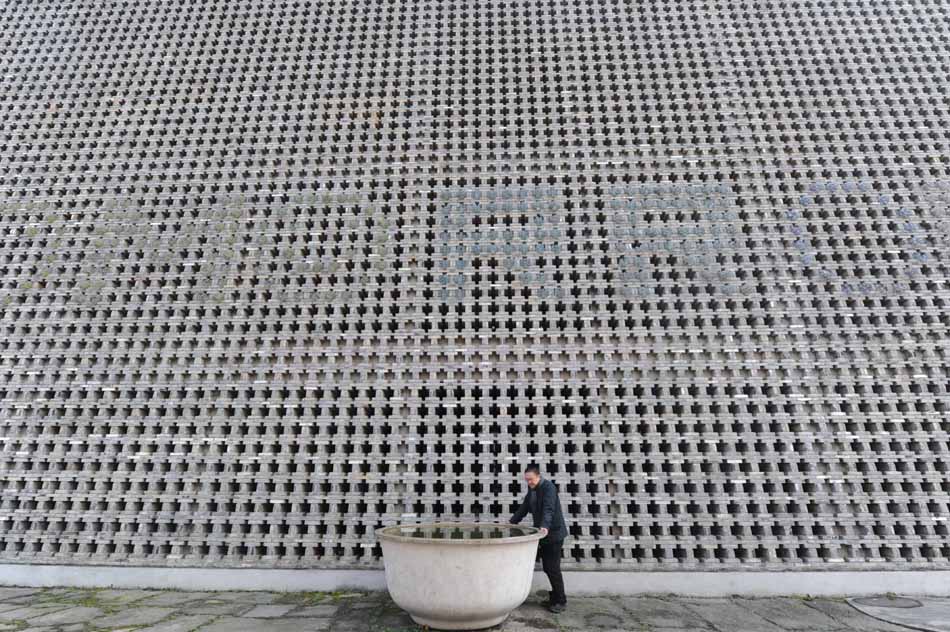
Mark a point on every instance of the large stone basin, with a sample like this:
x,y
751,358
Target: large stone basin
x,y
459,576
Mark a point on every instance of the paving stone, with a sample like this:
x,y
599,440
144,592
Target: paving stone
x,y
185,623
603,605
120,596
27,599
534,612
242,624
75,614
572,618
592,612
215,606
318,611
247,597
726,615
28,612
174,598
65,593
11,592
269,611
850,618
6,607
602,620
352,625
516,625
660,613
135,615
790,614
396,621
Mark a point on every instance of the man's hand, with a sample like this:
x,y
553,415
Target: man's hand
x,y
544,532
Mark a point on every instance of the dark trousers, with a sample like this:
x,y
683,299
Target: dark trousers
x,y
550,552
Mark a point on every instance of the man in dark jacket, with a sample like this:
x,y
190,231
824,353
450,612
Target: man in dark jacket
x,y
542,503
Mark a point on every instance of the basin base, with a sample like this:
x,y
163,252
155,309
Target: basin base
x,y
472,624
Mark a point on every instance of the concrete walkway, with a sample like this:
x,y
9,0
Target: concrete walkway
x,y
86,610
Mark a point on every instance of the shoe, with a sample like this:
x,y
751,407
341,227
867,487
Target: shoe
x,y
557,607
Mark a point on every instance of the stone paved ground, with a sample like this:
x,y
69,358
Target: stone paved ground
x,y
85,610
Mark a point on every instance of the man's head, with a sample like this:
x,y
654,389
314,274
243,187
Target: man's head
x,y
532,476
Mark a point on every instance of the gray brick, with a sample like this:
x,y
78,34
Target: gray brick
x,y
174,598
28,612
186,623
122,596
10,593
790,614
241,624
247,597
321,610
268,611
135,615
727,616
216,606
77,614
851,619
659,613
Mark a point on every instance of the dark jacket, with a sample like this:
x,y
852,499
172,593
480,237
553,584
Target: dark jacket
x,y
543,505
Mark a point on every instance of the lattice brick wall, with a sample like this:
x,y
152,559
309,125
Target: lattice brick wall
x,y
275,274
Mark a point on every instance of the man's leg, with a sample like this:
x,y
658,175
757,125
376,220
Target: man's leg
x,y
539,557
551,562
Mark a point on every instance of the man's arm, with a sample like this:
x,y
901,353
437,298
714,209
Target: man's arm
x,y
522,511
548,499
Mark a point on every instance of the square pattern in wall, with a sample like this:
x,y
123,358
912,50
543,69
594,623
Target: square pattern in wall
x,y
277,273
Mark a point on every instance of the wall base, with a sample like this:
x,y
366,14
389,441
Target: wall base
x,y
702,584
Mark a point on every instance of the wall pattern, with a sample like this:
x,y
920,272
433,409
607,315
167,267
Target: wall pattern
x,y
274,274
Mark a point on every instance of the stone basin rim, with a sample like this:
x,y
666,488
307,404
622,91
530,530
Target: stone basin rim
x,y
381,534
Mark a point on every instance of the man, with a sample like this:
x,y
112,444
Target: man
x,y
542,503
